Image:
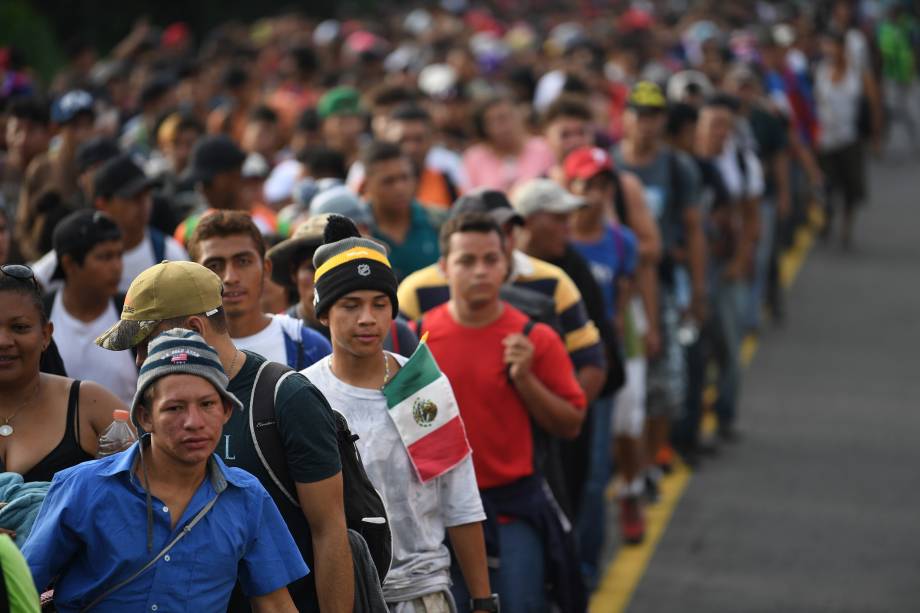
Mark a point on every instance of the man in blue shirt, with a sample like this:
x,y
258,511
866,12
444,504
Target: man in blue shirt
x,y
165,525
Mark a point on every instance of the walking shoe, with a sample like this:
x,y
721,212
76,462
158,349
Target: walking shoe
x,y
632,523
664,459
652,491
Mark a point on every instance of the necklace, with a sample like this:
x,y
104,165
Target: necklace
x,y
6,429
386,369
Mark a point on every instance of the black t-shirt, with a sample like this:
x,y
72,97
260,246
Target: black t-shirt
x,y
771,134
307,429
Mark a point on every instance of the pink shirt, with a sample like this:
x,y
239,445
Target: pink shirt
x,y
485,169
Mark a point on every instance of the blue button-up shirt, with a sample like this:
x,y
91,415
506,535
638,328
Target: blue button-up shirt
x,y
91,533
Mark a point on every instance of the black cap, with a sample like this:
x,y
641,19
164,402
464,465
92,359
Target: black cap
x,y
490,201
156,87
213,155
120,177
79,232
95,150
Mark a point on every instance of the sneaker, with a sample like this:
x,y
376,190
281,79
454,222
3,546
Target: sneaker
x,y
632,523
664,459
652,491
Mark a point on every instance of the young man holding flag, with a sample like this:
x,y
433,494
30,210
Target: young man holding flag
x,y
412,440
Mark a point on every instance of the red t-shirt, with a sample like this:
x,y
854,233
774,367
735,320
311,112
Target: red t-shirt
x,y
497,423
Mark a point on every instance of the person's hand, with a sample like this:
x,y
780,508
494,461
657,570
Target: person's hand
x,y
652,341
783,205
733,272
9,533
699,307
518,355
619,324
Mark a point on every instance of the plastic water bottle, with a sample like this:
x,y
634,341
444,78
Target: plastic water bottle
x,y
118,436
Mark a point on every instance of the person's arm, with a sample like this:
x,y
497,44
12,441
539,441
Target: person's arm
x,y
870,87
696,260
55,536
591,379
308,431
647,287
323,506
470,549
278,601
641,221
783,184
96,407
553,413
750,221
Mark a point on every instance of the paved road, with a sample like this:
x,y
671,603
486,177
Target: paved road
x,y
818,509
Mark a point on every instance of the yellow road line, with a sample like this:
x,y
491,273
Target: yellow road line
x,y
630,563
626,569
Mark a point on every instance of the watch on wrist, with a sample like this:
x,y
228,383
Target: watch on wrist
x,y
489,604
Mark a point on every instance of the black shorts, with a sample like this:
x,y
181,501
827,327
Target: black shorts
x,y
845,172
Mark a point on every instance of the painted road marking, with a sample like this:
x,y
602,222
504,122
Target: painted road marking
x,y
631,561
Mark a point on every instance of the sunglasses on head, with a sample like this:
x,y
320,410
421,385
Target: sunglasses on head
x,y
20,272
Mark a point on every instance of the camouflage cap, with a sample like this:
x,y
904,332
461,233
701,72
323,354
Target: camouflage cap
x,y
163,291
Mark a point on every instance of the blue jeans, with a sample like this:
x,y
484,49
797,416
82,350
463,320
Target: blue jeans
x,y
520,582
762,255
728,304
592,517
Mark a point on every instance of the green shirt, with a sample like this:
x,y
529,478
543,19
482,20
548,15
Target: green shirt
x,y
20,589
307,429
420,247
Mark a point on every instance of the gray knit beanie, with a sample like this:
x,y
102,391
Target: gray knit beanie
x,y
180,351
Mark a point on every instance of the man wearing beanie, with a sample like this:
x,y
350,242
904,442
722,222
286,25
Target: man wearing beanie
x,y
167,499
188,295
355,296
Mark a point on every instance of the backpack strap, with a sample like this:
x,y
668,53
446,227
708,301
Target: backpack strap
x,y
619,199
394,337
158,243
528,327
263,426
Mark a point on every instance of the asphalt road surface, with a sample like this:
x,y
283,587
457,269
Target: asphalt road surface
x,y
818,507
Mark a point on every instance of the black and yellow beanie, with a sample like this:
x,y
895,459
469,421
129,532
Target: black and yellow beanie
x,y
346,262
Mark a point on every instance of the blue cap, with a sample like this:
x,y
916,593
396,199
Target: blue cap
x,y
71,104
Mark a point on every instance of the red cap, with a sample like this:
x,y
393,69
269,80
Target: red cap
x,y
586,162
175,35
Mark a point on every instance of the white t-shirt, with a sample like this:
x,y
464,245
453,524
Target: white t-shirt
x,y
269,342
135,262
419,513
85,360
838,107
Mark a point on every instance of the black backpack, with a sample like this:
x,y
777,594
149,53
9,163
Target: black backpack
x,y
365,512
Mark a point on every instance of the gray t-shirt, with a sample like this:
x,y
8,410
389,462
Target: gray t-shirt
x,y
419,513
667,208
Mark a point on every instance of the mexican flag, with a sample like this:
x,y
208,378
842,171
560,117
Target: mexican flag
x,y
423,407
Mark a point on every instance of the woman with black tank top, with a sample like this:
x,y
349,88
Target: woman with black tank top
x,y
47,423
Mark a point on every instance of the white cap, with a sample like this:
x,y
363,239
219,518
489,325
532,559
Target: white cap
x,y
544,195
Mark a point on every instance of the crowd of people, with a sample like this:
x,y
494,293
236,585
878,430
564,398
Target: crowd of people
x,y
399,306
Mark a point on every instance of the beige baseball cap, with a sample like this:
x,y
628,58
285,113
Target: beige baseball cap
x,y
163,291
544,195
